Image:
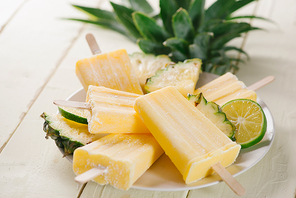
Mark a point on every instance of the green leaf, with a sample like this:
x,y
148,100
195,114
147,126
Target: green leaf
x,y
107,24
151,47
183,3
141,5
96,13
226,33
230,27
197,51
219,10
167,10
124,15
239,4
209,25
177,45
182,25
207,67
148,28
229,48
177,56
196,12
249,17
221,69
203,40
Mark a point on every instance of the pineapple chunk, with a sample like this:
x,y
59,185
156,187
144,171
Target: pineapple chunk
x,y
145,65
214,113
183,76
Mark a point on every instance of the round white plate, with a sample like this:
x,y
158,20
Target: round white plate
x,y
164,176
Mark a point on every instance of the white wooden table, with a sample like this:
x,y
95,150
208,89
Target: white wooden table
x,y
38,52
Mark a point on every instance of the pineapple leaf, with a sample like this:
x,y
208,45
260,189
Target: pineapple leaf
x,y
108,24
249,17
196,51
167,10
203,40
142,6
182,25
219,10
124,15
183,3
196,12
178,44
230,27
151,47
148,28
177,56
228,48
225,35
239,4
97,13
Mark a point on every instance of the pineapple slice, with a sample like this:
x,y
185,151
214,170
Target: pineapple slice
x,y
214,113
67,134
183,76
145,65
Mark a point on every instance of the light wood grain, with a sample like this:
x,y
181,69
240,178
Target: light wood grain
x,y
32,45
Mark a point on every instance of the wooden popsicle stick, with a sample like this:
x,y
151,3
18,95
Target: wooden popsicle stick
x,y
93,45
74,104
261,83
229,179
90,174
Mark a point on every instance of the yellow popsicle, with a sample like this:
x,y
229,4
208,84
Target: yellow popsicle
x,y
192,142
112,70
225,88
125,156
112,111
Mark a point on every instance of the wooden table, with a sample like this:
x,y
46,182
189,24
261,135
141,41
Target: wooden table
x,y
38,52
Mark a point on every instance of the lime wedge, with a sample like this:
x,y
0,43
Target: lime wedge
x,y
76,115
249,119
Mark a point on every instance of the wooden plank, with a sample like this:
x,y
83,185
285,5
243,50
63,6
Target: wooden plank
x,y
94,190
32,45
7,10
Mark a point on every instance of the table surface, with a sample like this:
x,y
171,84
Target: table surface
x,y
38,52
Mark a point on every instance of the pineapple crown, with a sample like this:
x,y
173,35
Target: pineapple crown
x,y
183,29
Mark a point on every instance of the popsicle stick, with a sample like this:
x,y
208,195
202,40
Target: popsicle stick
x,y
90,174
93,45
229,179
74,104
261,83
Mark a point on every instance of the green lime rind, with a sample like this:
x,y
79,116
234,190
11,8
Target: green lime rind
x,y
76,115
214,113
256,140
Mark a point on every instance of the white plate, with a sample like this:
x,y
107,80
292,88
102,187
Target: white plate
x,y
164,176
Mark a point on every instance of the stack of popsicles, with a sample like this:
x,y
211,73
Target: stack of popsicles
x,y
142,127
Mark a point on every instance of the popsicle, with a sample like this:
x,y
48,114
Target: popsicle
x,y
225,88
116,159
112,70
112,111
192,142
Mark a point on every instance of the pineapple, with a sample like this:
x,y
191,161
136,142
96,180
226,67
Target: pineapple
x,y
214,113
67,134
183,29
145,65
183,76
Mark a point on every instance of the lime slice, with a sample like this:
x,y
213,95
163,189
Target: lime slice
x,y
249,119
76,115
